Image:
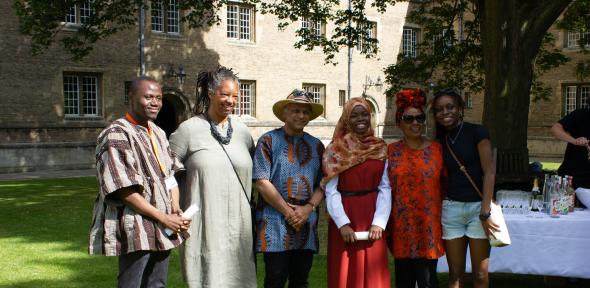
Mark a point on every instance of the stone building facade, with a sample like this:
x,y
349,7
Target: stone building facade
x,y
53,108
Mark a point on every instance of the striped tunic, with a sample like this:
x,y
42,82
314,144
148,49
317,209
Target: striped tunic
x,y
124,158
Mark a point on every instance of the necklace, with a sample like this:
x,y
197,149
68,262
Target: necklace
x,y
456,135
215,132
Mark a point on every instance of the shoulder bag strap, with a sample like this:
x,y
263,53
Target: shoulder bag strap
x,y
462,167
237,175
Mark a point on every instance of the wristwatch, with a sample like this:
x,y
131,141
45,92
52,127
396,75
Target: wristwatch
x,y
485,216
312,205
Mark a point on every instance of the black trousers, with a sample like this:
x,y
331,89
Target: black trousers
x,y
293,265
143,269
410,271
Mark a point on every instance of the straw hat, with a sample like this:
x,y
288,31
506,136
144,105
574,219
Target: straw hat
x,y
298,97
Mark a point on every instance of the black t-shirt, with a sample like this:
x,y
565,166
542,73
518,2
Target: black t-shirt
x,y
463,141
575,159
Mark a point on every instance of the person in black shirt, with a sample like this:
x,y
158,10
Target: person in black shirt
x,y
574,129
465,216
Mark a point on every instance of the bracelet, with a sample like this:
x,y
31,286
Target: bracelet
x,y
485,216
311,204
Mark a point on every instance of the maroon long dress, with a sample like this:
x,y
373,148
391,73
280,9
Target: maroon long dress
x,y
362,264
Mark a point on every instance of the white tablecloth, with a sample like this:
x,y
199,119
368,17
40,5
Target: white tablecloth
x,y
542,246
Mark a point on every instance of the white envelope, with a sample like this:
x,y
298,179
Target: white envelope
x,y
363,235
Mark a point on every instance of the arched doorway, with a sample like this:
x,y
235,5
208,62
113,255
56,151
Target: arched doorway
x,y
175,109
374,114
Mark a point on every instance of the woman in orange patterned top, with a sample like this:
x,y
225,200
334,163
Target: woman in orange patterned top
x,y
415,170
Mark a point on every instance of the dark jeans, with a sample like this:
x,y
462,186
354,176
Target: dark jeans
x,y
294,264
410,271
143,269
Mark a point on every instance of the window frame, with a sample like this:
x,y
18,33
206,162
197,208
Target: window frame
x,y
371,27
316,28
160,10
77,16
321,92
415,40
79,104
240,32
569,43
238,110
468,98
341,98
581,97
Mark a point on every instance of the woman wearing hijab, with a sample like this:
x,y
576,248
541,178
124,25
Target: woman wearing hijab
x,y
358,198
415,169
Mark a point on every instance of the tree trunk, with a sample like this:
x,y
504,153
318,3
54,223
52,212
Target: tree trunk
x,y
511,35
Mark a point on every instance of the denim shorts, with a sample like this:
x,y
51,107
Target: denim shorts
x,y
461,219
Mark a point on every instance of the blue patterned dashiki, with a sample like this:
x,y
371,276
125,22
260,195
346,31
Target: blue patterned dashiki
x,y
293,164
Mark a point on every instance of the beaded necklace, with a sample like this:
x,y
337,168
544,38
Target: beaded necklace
x,y
215,132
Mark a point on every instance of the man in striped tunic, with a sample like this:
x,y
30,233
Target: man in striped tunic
x,y
136,213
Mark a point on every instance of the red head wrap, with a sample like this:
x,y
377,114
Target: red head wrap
x,y
409,98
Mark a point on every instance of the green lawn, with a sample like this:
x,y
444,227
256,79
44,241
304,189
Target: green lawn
x,y
44,230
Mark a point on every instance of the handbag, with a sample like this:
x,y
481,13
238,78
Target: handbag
x,y
497,239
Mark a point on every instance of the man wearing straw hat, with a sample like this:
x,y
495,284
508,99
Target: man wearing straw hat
x,y
287,171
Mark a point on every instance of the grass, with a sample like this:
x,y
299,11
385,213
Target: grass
x,y
551,166
44,231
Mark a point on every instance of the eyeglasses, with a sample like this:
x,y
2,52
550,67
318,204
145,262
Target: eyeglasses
x,y
409,119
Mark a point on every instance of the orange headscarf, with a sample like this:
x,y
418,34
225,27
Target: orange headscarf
x,y
349,149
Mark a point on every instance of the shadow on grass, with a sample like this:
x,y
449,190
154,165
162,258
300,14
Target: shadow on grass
x,y
44,228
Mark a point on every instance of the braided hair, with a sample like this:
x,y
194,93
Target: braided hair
x,y
207,82
409,98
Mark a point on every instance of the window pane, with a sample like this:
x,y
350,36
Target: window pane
x,y
232,21
584,95
89,89
246,99
71,96
245,23
86,11
317,28
173,16
157,16
305,23
570,99
409,42
572,39
341,97
71,16
316,92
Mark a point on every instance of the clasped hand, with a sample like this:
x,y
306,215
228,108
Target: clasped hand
x,y
175,221
298,215
348,236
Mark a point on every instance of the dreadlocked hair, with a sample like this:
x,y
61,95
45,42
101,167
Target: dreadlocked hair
x,y
409,98
207,82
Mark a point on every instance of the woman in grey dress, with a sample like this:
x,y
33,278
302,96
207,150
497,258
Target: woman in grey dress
x,y
219,251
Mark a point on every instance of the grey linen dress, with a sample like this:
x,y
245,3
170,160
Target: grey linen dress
x,y
219,251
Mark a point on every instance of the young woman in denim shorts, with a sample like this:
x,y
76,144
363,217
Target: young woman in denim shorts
x,y
465,216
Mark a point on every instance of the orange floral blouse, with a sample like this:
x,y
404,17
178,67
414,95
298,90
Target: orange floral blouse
x,y
415,229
